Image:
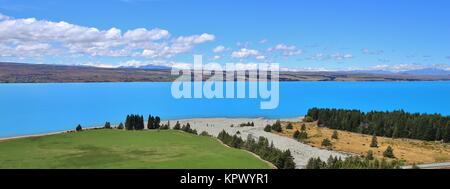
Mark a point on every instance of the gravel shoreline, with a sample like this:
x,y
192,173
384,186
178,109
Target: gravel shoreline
x,y
301,152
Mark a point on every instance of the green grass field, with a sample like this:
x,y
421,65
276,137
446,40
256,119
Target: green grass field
x,y
124,149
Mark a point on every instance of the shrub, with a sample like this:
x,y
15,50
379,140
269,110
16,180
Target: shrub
x,y
277,126
389,152
79,128
326,143
289,126
308,119
296,134
204,133
177,126
268,128
120,126
369,155
303,127
335,135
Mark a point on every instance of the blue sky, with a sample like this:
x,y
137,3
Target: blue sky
x,y
309,34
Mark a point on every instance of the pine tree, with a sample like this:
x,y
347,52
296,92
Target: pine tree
x,y
288,160
79,128
120,126
369,155
326,143
177,126
389,153
157,122
107,125
335,135
150,122
277,126
296,134
268,128
374,143
303,127
289,126
128,123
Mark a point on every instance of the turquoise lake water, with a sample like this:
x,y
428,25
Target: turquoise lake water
x,y
40,108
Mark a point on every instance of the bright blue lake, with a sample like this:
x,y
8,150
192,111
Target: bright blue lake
x,y
40,108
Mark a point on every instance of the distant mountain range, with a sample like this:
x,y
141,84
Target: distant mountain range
x,y
46,73
148,67
425,71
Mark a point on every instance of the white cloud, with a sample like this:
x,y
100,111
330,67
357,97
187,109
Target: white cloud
x,y
3,17
28,35
99,65
284,47
286,50
263,41
340,56
216,57
142,34
245,53
335,56
33,47
260,57
370,52
195,39
219,49
132,63
248,66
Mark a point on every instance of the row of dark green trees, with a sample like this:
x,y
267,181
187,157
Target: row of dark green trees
x,y
396,124
281,159
352,162
136,122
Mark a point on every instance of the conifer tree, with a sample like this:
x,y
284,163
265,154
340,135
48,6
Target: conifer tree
x,y
296,134
369,155
79,128
303,127
177,126
289,126
326,143
120,126
389,152
107,125
335,135
374,142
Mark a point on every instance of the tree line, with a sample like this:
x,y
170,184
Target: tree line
x,y
281,159
352,162
396,124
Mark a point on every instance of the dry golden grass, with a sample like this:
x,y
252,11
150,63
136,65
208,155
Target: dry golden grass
x,y
411,151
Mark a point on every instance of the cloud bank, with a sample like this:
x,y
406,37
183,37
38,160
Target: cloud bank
x,y
30,37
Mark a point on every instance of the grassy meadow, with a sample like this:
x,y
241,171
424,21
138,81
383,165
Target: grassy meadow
x,y
409,150
124,149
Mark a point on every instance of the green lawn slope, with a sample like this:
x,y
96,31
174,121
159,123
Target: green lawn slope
x,y
124,149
